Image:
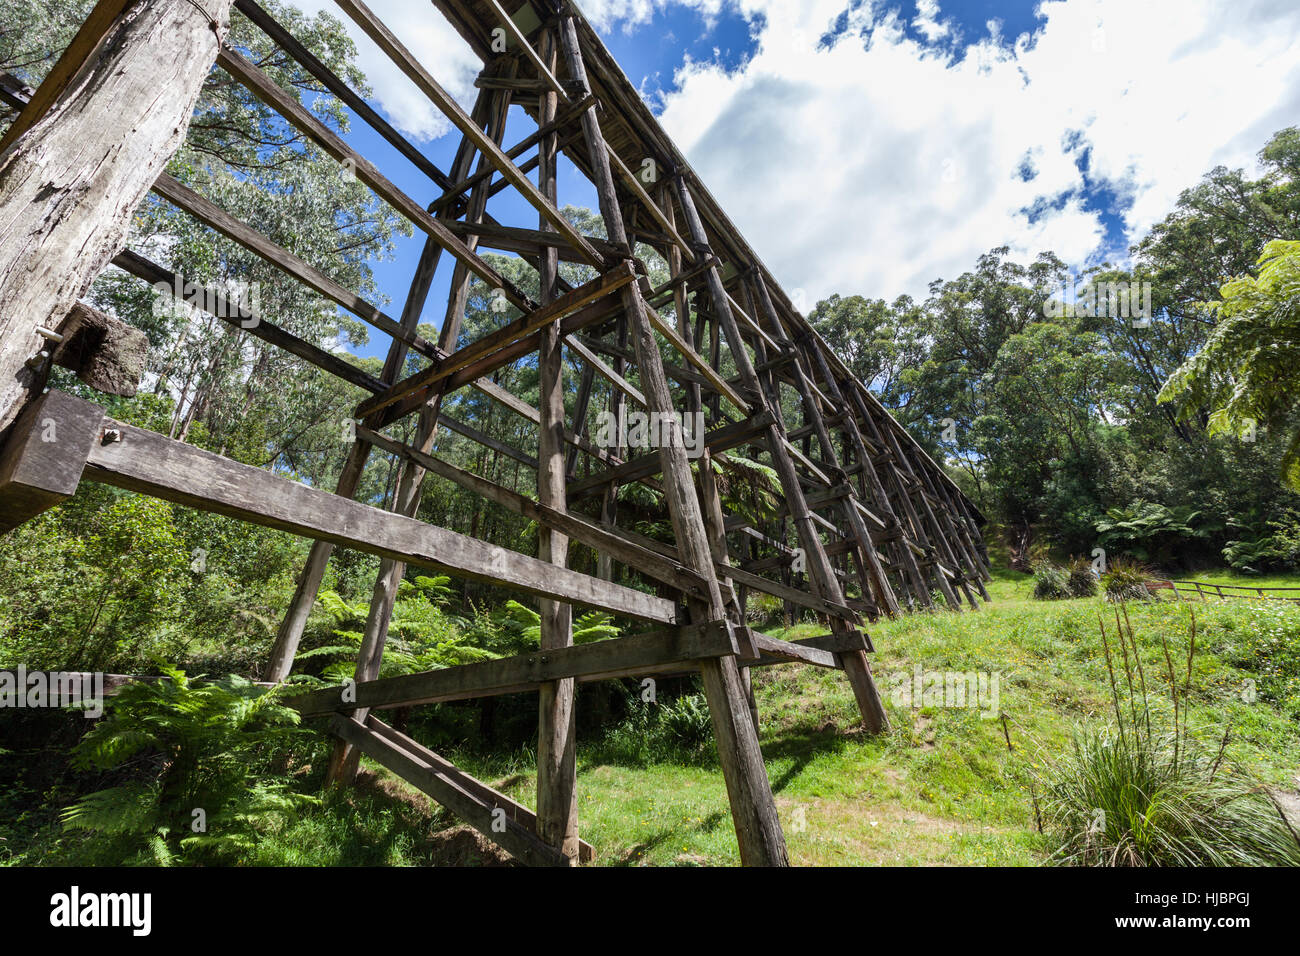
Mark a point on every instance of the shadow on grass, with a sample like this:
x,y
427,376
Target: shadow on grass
x,y
634,853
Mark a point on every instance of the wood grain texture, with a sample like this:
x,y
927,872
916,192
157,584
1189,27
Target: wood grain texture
x,y
70,182
152,464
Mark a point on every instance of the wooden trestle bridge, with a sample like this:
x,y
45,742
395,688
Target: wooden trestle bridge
x,y
878,525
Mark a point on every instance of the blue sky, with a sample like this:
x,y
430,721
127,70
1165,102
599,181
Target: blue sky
x,y
872,147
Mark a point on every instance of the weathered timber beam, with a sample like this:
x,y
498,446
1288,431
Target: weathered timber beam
x,y
265,89
526,411
152,464
618,381
521,673
792,651
103,19
498,801
471,807
683,376
591,314
424,81
793,595
209,213
42,460
581,529
721,439
79,159
487,441
216,303
599,287
714,378
564,118
525,241
332,82
105,352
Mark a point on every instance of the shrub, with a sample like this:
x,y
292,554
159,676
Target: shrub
x,y
1082,582
687,720
1126,580
1051,583
207,751
761,607
1140,794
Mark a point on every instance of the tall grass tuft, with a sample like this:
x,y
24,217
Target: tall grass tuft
x,y
1143,792
1051,581
1082,582
1126,580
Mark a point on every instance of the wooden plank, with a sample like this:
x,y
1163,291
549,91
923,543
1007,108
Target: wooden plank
x,y
103,19
720,439
152,464
524,410
793,595
714,378
590,314
487,441
683,376
106,353
208,212
298,116
749,792
498,800
44,455
774,647
525,241
510,835
521,673
425,82
543,71
355,102
618,381
71,182
597,288
248,321
563,118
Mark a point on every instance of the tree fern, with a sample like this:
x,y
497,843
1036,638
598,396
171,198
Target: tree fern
x,y
208,742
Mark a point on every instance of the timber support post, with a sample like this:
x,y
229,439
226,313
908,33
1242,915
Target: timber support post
x,y
71,177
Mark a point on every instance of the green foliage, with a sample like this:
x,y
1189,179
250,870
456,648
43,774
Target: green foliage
x,y
747,487
687,720
421,634
1265,546
1247,372
588,627
1051,582
1125,579
204,748
1263,638
1082,582
1144,792
1150,531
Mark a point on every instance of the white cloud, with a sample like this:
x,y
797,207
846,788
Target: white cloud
x,y
877,168
434,43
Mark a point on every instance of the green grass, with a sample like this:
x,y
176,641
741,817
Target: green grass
x,y
940,788
1228,576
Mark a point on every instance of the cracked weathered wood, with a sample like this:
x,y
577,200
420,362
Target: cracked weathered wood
x,y
70,181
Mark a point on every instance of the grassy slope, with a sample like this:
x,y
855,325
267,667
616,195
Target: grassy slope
x,y
940,788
